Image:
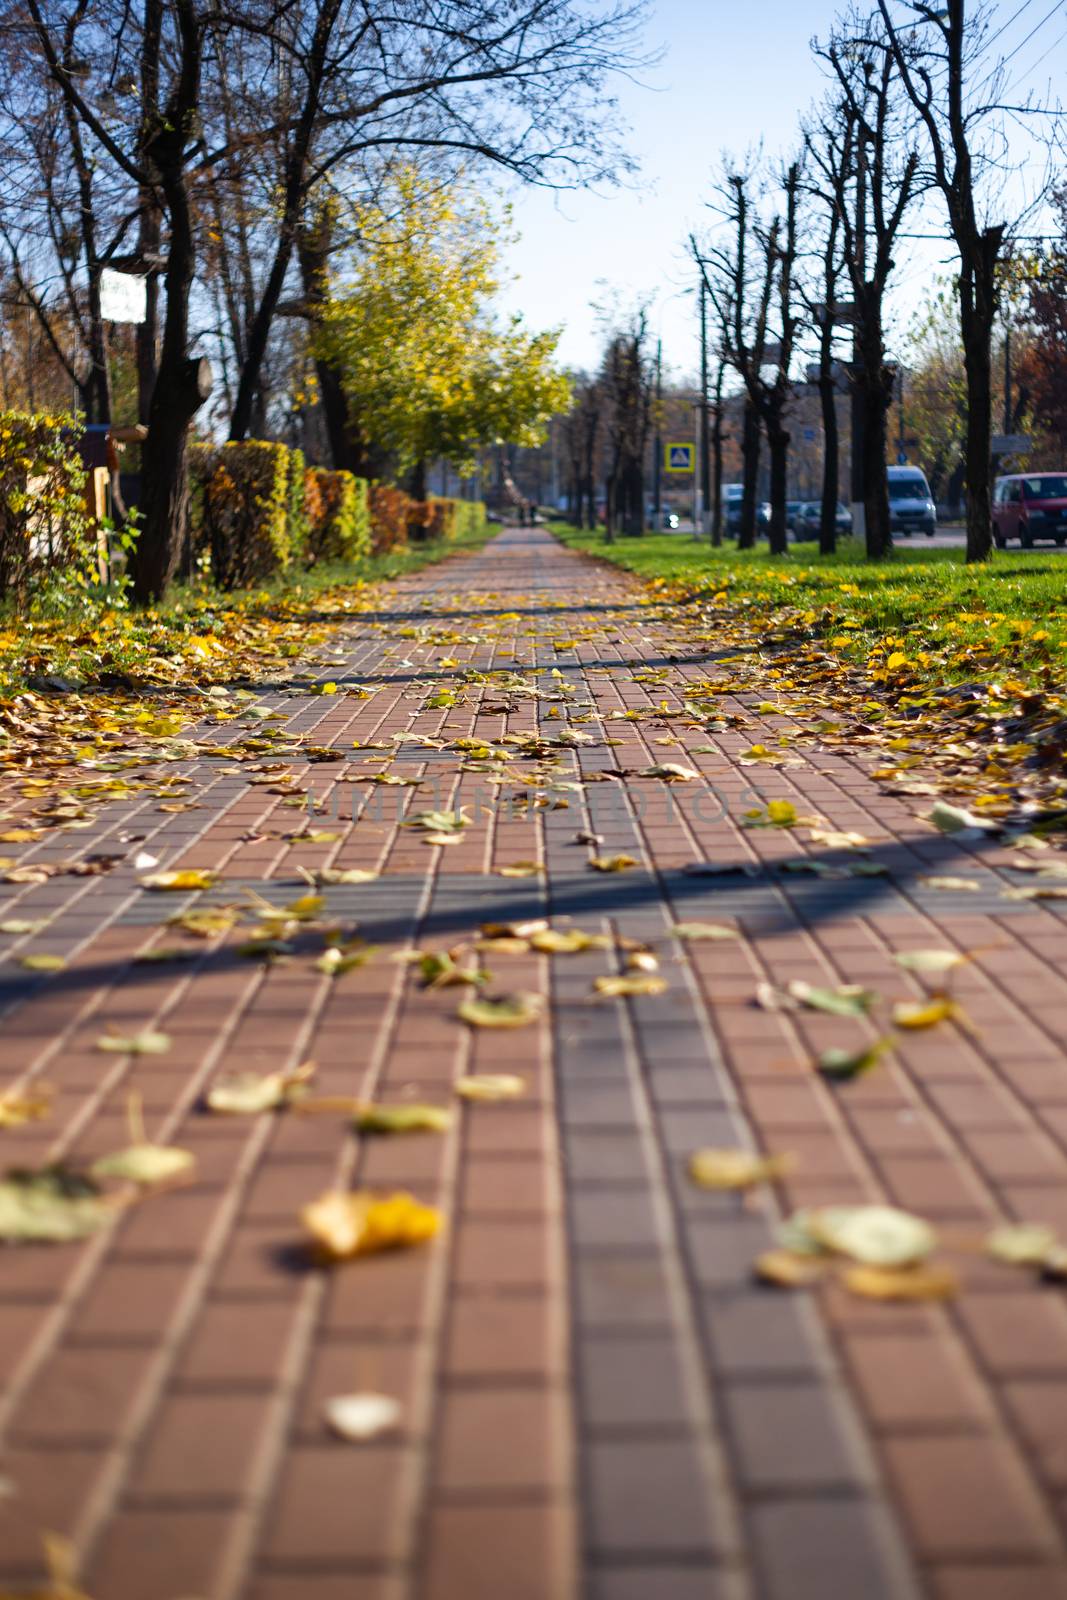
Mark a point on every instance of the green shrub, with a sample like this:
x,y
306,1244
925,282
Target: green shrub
x,y
47,536
296,510
456,519
249,513
337,507
389,517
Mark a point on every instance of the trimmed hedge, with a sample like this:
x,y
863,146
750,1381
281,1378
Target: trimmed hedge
x,y
45,526
258,508
390,516
244,510
337,508
456,519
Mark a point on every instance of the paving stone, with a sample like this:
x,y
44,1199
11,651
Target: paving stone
x,y
599,1403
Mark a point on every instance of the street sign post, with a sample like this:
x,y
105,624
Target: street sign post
x,y
679,457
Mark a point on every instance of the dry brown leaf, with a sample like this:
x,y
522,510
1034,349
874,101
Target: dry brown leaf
x,y
621,985
489,1086
736,1169
910,1283
788,1271
504,1011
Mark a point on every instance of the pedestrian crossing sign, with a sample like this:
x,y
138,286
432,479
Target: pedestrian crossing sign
x,y
679,457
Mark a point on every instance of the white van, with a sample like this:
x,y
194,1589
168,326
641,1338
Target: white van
x,y
911,505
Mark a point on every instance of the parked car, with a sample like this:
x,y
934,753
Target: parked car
x,y
1029,506
793,509
731,507
911,505
809,520
669,519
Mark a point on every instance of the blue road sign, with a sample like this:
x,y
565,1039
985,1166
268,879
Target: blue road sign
x,y
679,457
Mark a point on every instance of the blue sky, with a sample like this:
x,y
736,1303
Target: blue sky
x,y
734,73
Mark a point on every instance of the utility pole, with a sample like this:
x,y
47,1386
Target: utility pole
x,y
657,460
858,492
1007,377
705,442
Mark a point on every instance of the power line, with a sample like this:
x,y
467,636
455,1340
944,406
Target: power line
x,y
1023,42
1044,57
1006,25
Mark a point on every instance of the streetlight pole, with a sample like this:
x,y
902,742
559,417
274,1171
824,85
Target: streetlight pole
x,y
705,441
657,460
1007,376
858,406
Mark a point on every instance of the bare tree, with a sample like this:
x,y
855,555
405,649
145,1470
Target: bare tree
x,y
936,54
627,382
823,314
745,302
863,152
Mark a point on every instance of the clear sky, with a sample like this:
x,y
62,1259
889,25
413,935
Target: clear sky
x,y
734,73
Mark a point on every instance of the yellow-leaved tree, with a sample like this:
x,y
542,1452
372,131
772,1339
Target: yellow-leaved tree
x,y
427,368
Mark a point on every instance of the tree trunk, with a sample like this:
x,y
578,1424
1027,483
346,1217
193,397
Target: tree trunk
x,y
830,462
976,320
182,385
778,443
716,462
750,441
877,392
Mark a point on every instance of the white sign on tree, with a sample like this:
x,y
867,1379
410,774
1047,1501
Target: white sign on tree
x,y
123,296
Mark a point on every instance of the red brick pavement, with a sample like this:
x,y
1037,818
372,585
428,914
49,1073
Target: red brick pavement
x,y
598,1402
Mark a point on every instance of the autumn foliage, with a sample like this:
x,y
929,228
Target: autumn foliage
x,y
45,528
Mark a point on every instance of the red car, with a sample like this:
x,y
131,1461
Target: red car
x,y
1029,506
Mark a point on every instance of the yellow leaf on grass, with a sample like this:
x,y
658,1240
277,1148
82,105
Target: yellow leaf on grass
x,y
347,1224
736,1169
489,1086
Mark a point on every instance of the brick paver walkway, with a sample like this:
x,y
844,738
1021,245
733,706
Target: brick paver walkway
x,y
598,1400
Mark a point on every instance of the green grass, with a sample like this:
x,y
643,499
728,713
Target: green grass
x,y
946,618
